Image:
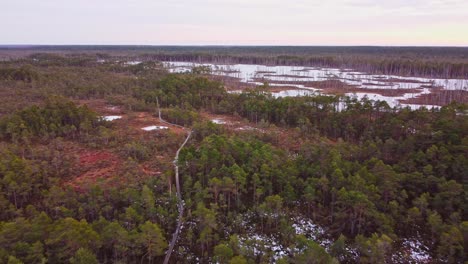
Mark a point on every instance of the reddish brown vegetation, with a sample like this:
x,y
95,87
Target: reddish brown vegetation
x,y
439,97
384,92
287,76
285,138
102,107
104,165
338,87
94,166
232,83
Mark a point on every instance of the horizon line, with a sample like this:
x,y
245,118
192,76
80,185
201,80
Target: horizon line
x,y
224,45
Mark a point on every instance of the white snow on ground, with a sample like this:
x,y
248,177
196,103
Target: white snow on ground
x,y
393,101
245,128
309,229
249,128
257,244
218,121
248,72
418,251
292,93
133,62
306,227
111,117
150,128
291,75
413,251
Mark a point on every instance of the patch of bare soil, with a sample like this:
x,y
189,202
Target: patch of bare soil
x,y
131,122
227,71
138,120
383,92
374,84
439,97
286,138
232,83
104,165
313,84
304,70
265,72
287,76
90,166
276,89
339,88
392,80
102,107
96,165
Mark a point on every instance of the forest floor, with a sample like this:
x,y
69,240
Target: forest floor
x,y
129,121
94,166
285,138
103,164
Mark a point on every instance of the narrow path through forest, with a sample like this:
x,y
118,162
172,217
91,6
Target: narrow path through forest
x,y
179,195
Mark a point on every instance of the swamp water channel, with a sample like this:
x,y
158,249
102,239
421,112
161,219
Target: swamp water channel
x,y
301,81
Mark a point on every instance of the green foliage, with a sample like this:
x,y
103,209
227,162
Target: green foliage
x,y
184,91
451,247
13,260
222,253
371,176
238,260
17,181
57,118
69,235
136,151
201,70
311,252
376,249
84,256
24,73
152,240
179,116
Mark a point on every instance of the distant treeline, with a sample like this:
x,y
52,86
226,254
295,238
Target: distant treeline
x,y
436,62
393,65
423,52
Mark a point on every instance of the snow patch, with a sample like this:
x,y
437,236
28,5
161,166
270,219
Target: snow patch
x,y
151,128
133,62
414,251
292,75
259,244
111,117
306,227
249,128
219,121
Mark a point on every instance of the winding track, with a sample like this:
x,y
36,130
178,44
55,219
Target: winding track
x,y
175,236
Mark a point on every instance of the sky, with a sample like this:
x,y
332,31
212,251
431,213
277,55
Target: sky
x,y
235,22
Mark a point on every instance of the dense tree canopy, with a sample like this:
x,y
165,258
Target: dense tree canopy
x,y
364,183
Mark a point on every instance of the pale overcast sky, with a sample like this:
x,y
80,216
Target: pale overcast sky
x,y
231,22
